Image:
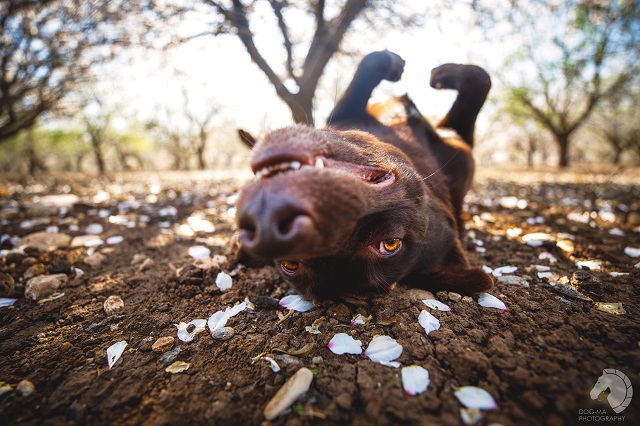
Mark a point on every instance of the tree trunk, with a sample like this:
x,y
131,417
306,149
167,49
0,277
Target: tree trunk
x,y
97,151
301,107
563,150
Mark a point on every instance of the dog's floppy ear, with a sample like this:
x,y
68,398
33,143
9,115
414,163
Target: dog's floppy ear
x,y
247,138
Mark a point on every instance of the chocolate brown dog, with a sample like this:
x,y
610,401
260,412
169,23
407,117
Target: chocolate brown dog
x,y
360,205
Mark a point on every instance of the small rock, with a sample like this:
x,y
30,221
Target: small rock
x,y
7,284
286,359
138,259
66,346
34,271
419,294
265,302
566,245
611,308
317,360
293,389
86,241
584,279
46,241
223,333
146,264
59,267
25,388
454,297
44,285
5,388
467,299
170,356
177,367
113,305
513,280
633,220
96,259
163,344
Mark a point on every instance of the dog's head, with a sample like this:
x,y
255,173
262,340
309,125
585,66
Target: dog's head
x,y
339,211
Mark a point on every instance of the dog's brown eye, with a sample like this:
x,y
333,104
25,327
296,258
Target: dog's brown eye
x,y
390,246
289,266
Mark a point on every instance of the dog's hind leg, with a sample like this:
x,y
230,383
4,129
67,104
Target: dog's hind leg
x,y
375,67
472,84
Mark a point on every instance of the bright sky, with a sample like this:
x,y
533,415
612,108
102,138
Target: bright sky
x,y
220,68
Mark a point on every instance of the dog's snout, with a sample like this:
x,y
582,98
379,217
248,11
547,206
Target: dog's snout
x,y
276,226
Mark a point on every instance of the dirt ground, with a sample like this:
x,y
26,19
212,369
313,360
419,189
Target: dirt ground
x,y
539,359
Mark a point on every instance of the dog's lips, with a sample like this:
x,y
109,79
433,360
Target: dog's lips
x,y
374,175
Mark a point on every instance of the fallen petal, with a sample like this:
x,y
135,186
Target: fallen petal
x,y
475,397
114,352
383,349
428,321
242,306
415,379
504,270
296,302
199,252
184,335
4,302
394,364
589,264
224,281
436,304
489,301
273,364
292,389
632,251
487,269
217,320
342,343
116,239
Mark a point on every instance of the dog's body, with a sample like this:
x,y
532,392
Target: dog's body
x,y
361,205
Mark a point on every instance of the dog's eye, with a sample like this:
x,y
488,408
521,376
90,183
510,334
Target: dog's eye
x,y
390,246
289,266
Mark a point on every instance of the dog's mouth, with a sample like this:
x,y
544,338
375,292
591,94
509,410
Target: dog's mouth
x,y
374,175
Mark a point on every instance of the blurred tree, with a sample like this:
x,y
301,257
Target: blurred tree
x,y
617,122
47,48
200,126
311,33
577,55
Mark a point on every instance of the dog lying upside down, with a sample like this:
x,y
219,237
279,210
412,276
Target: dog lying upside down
x,y
360,205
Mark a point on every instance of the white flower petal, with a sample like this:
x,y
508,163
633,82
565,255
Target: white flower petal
x,y
487,269
273,364
489,301
415,379
114,352
594,265
94,229
224,281
632,251
475,397
428,321
544,274
541,268
4,302
217,320
545,255
617,232
199,252
436,304
184,335
394,364
342,343
296,302
232,312
504,270
116,239
383,349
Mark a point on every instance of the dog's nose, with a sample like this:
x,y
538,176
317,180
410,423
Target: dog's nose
x,y
275,226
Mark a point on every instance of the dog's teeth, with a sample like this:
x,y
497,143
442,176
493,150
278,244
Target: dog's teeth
x,y
319,163
295,165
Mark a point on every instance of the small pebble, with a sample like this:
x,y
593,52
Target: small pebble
x,y
317,360
44,285
223,333
96,259
170,356
113,305
293,389
467,299
163,344
454,297
265,302
177,367
25,388
66,346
